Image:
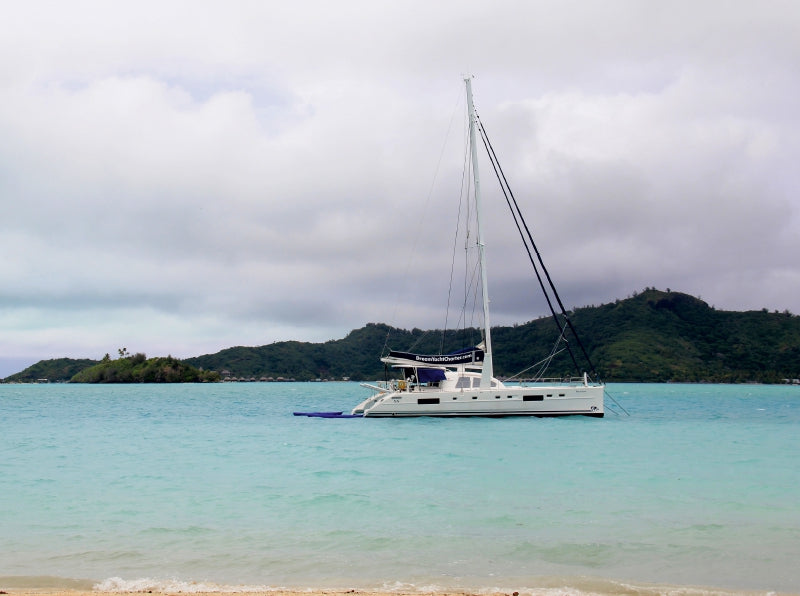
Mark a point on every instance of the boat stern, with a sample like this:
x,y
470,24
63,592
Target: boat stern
x,y
378,392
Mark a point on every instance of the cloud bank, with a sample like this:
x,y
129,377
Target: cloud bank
x,y
186,177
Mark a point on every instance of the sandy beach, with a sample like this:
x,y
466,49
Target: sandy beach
x,y
602,588
278,592
550,591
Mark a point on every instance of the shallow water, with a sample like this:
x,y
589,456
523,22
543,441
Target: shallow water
x,y
221,484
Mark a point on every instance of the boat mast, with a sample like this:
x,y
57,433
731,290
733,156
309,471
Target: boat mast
x,y
487,372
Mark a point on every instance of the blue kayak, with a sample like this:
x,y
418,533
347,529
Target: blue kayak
x,y
327,415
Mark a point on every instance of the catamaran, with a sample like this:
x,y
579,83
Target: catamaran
x,y
463,383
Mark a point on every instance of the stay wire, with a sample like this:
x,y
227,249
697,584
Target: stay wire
x,y
418,228
464,182
504,184
611,397
506,193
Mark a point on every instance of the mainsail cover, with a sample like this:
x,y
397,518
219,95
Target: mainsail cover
x,y
464,356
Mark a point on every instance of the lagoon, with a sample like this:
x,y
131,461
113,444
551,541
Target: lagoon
x,y
219,485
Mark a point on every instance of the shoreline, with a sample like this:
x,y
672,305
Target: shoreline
x,y
540,586
565,590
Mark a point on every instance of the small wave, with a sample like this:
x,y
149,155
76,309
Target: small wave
x,y
549,586
174,586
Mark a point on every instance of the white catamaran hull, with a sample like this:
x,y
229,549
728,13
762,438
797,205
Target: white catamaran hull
x,y
535,400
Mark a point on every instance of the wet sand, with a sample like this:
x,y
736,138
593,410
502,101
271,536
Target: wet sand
x,y
632,590
277,592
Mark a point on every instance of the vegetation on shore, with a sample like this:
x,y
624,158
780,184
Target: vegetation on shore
x,y
57,369
128,368
653,336
137,368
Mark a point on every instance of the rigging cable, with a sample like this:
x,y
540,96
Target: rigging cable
x,y
418,228
506,192
464,181
616,402
516,211
544,363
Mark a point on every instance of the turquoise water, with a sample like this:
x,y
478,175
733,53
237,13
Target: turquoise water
x,y
147,486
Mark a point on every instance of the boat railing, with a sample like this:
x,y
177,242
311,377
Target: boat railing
x,y
405,385
565,381
398,385
390,385
381,386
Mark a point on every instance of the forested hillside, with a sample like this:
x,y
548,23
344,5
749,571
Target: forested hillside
x,y
128,368
653,336
137,368
58,369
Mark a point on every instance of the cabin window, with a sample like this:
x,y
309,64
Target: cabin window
x,y
533,398
428,400
463,383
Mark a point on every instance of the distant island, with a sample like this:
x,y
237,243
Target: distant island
x,y
137,368
652,336
127,368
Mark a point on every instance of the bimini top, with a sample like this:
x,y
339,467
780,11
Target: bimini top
x,y
464,356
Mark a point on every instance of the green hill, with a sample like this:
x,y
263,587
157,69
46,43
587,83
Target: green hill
x,y
653,336
669,336
355,357
58,370
137,368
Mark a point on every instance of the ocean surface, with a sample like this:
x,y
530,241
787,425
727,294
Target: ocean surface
x,y
204,487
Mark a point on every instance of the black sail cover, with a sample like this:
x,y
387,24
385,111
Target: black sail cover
x,y
465,356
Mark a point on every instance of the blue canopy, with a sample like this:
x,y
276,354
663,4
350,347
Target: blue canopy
x,y
429,375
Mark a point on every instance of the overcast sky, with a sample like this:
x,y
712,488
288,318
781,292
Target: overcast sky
x,y
182,177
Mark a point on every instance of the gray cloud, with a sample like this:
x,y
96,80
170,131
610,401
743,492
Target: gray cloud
x,y
190,176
